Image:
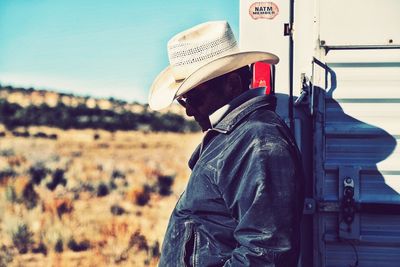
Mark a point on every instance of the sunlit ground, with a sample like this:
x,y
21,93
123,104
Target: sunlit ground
x,y
88,198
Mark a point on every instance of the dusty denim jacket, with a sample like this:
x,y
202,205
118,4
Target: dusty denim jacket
x,y
244,199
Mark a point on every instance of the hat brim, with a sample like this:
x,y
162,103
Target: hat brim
x,y
165,89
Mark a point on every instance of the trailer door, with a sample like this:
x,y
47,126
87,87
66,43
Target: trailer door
x,y
356,74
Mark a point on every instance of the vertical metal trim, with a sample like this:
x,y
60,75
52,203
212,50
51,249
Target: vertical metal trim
x,y
318,127
291,50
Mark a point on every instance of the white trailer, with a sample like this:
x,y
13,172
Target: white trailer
x,y
341,62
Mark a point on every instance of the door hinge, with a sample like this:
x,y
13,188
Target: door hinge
x,y
287,29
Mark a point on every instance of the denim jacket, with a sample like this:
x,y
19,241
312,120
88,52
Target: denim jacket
x,y
244,199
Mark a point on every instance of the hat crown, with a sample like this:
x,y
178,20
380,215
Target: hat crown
x,y
195,47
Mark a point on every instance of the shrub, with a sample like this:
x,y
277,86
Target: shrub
x,y
7,152
20,134
77,247
38,173
22,192
155,250
64,206
112,185
164,183
87,187
29,196
76,154
59,246
6,256
57,178
7,173
65,117
83,187
139,241
40,135
10,194
102,190
117,174
53,136
142,197
117,210
22,238
41,248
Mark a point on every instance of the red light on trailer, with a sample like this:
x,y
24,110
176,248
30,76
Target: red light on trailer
x,y
262,76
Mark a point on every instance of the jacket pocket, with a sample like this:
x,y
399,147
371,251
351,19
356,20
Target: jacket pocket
x,y
190,247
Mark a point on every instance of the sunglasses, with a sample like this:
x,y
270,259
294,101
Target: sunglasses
x,y
193,101
182,102
197,95
193,98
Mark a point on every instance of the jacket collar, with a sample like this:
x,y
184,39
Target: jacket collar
x,y
221,112
227,117
239,108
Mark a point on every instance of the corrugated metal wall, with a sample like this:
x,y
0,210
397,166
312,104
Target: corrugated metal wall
x,y
358,136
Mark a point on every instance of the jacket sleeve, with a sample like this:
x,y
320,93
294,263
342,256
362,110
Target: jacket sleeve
x,y
263,193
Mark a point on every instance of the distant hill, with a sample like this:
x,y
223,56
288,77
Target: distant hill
x,y
30,107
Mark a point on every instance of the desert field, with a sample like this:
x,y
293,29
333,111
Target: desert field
x,y
88,197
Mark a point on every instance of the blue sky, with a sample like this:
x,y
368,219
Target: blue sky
x,y
97,48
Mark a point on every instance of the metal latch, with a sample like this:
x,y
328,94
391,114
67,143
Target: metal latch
x,y
348,207
349,187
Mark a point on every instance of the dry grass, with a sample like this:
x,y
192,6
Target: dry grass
x,y
122,164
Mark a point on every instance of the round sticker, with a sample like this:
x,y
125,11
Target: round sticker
x,y
263,10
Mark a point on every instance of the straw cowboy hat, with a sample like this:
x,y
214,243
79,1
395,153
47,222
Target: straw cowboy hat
x,y
197,55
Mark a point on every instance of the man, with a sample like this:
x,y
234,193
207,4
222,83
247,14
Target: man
x,y
244,199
